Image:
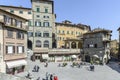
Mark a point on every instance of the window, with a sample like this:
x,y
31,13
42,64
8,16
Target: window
x,y
30,23
20,49
45,16
37,16
46,43
10,49
19,24
67,32
63,32
37,23
29,12
45,34
46,10
21,12
46,24
10,33
38,34
38,9
30,34
7,19
20,35
38,43
12,11
95,45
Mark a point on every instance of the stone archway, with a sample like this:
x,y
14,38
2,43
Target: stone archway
x,y
73,45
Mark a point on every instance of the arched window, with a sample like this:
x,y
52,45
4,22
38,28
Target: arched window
x,y
38,43
73,45
46,43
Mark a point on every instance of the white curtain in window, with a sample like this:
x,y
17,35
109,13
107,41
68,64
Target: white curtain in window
x,y
10,49
19,49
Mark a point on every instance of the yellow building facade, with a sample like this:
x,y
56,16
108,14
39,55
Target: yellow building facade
x,y
68,34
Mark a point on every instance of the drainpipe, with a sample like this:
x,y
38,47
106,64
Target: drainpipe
x,y
3,47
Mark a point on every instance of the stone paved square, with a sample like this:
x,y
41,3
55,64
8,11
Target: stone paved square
x,y
68,73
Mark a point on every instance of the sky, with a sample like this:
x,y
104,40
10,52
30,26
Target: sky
x,y
96,13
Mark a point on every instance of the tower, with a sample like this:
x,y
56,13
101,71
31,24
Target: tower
x,y
43,21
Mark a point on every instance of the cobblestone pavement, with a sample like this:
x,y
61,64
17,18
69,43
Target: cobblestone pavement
x,y
68,73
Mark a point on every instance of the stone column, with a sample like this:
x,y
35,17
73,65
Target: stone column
x,y
70,45
77,45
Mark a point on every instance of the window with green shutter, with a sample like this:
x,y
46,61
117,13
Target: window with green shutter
x,y
29,12
38,9
12,11
46,10
21,12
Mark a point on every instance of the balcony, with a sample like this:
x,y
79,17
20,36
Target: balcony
x,y
13,25
106,39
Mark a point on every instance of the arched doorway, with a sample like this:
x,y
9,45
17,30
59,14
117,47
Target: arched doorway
x,y
29,44
80,45
73,45
87,58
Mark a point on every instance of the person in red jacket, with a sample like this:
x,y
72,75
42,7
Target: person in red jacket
x,y
55,78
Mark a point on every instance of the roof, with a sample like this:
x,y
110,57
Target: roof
x,y
118,29
98,31
1,10
20,7
82,26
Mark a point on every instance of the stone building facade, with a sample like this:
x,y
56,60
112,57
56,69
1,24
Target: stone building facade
x,y
43,23
119,44
114,47
96,45
13,43
67,34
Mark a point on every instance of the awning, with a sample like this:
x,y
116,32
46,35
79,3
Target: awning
x,y
74,56
96,56
16,63
45,56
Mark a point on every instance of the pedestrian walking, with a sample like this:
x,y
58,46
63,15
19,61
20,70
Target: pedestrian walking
x,y
35,68
28,75
51,77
